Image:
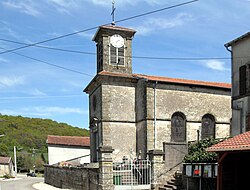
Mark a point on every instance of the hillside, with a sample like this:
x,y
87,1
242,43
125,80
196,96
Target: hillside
x,y
29,133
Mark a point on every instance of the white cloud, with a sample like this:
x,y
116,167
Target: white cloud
x,y
25,6
64,3
85,35
35,92
162,23
43,111
120,3
56,110
64,6
215,65
11,81
2,60
9,31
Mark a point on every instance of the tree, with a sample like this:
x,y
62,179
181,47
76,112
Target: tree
x,y
197,151
3,150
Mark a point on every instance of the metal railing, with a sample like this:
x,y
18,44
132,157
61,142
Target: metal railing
x,y
132,175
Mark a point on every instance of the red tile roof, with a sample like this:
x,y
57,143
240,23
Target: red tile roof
x,y
68,140
238,142
169,80
5,160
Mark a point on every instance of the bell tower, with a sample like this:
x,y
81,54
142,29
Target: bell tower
x,y
114,49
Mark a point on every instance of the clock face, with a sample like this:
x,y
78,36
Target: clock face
x,y
117,41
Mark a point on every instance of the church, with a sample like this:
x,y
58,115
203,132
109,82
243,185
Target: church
x,y
132,114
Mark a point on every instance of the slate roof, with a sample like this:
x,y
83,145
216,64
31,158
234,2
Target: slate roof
x,y
129,31
239,142
68,140
5,160
169,80
114,27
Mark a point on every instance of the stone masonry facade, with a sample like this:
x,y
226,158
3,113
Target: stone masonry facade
x,y
127,114
142,116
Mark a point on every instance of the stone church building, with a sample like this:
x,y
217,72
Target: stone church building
x,y
134,114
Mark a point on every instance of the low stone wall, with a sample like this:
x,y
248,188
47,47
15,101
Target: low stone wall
x,y
79,178
174,154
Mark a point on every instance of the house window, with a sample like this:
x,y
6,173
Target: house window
x,y
207,126
178,127
116,55
243,80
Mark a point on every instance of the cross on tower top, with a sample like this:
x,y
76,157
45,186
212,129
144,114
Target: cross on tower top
x,y
113,13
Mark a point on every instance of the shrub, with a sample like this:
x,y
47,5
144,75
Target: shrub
x,y
197,151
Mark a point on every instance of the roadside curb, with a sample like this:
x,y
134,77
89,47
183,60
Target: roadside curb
x,y
43,186
11,179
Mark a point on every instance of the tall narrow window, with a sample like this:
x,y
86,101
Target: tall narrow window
x,y
243,80
178,127
99,57
208,126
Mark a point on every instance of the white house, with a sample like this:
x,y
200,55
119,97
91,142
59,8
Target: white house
x,y
68,148
6,166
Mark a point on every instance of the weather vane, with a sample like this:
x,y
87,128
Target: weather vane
x,y
113,13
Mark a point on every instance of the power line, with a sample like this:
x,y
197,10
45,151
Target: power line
x,y
155,11
182,58
95,27
136,57
51,64
49,47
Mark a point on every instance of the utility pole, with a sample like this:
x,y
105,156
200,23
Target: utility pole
x,y
33,155
15,160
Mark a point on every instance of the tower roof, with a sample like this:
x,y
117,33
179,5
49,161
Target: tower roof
x,y
105,29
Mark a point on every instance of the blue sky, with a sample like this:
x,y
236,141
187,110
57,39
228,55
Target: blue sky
x,y
37,89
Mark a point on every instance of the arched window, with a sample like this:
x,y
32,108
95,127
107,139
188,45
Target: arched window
x,y
207,126
178,127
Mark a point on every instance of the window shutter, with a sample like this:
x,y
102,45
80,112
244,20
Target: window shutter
x,y
121,56
99,57
242,85
113,55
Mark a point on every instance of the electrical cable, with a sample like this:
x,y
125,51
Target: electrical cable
x,y
95,27
51,64
48,47
155,11
136,57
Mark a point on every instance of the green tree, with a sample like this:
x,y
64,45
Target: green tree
x,y
4,150
197,151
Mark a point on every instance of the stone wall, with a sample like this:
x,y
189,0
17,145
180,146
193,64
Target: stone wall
x,y
193,103
78,178
174,154
118,119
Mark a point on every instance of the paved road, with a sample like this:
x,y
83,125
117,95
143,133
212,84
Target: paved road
x,y
22,183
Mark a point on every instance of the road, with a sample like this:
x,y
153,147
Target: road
x,y
21,183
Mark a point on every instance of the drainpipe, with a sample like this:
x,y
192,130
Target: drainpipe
x,y
155,140
237,107
231,52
